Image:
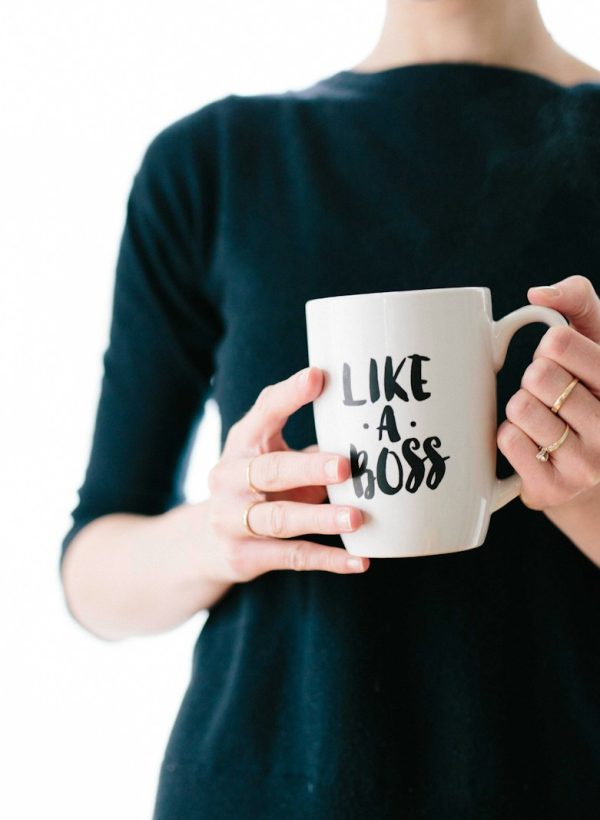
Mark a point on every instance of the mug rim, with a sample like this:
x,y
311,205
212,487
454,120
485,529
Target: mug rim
x,y
414,292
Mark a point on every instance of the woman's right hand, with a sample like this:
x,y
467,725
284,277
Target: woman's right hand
x,y
291,485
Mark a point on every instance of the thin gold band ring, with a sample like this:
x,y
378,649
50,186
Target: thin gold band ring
x,y
251,486
247,526
561,399
543,452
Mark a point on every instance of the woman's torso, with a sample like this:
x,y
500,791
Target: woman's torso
x,y
461,685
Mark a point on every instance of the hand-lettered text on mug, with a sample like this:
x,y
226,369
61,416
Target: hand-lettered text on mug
x,y
412,466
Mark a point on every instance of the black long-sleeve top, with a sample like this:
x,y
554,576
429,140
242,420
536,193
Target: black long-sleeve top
x,y
464,685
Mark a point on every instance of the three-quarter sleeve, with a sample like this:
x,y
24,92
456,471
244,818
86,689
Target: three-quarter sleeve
x,y
164,327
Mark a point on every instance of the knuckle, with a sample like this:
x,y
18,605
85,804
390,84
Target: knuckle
x,y
263,398
538,373
296,556
277,518
556,340
586,297
583,285
502,437
271,471
505,436
331,559
519,404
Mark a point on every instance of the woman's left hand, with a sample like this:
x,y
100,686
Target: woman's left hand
x,y
564,352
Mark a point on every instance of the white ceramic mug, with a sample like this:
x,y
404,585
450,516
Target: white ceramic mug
x,y
409,397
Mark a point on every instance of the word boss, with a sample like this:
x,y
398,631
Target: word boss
x,y
418,461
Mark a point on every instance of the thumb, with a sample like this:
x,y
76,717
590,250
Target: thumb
x,y
576,299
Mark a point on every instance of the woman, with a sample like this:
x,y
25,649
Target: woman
x,y
462,151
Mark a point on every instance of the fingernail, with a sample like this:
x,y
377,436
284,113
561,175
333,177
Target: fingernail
x,y
354,563
331,468
343,519
548,290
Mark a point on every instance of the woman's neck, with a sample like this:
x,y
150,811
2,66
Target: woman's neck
x,y
501,32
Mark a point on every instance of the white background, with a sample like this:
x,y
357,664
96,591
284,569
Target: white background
x,y
85,86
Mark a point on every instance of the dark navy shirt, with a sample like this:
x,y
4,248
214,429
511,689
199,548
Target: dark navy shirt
x,y
464,685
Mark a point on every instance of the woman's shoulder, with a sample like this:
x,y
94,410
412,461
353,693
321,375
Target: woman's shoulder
x,y
578,87
188,148
207,125
188,130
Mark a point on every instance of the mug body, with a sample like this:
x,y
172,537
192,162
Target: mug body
x,y
409,397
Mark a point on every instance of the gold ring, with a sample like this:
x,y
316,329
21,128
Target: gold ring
x,y
247,526
560,400
251,486
542,453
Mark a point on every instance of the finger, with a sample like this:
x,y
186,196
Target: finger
x,y
546,379
315,494
544,427
544,484
278,471
275,404
285,519
573,351
576,298
283,470
540,480
271,554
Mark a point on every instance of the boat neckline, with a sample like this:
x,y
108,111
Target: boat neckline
x,y
389,76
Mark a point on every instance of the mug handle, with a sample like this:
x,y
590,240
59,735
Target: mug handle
x,y
505,489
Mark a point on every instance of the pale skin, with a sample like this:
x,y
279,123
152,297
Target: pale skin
x,y
567,487
127,574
